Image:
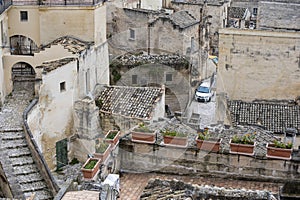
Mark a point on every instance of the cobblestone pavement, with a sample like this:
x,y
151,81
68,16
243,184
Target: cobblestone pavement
x,y
12,110
132,185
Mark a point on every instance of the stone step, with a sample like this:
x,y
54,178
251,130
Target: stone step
x,y
20,152
40,195
13,136
34,186
29,178
25,169
13,144
20,161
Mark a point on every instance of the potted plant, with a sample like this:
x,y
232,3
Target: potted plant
x,y
205,142
143,134
175,138
279,150
242,144
90,168
102,150
112,137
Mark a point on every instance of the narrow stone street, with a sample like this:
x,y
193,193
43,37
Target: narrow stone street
x,y
18,165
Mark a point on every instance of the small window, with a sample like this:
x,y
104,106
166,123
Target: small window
x,y
134,79
254,11
169,77
62,86
132,34
24,15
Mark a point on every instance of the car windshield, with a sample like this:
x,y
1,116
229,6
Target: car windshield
x,y
203,89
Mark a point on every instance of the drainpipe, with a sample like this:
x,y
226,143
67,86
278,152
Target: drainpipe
x,y
149,39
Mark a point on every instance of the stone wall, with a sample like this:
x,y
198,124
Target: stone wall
x,y
255,64
258,65
139,157
4,185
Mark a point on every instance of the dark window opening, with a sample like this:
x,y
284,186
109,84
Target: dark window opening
x,y
132,34
24,15
134,79
62,86
169,77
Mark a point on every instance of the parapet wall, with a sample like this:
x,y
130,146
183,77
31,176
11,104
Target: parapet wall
x,y
140,157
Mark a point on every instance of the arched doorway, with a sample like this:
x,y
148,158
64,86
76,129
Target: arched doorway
x,y
21,45
23,77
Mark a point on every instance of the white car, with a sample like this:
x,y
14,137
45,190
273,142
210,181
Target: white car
x,y
203,92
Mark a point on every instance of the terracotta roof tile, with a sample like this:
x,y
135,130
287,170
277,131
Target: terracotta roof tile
x,y
52,65
136,102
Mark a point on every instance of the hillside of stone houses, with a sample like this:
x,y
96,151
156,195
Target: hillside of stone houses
x,y
150,99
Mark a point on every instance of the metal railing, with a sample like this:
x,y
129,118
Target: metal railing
x,y
4,4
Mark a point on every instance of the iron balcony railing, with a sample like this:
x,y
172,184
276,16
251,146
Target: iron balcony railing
x,y
4,4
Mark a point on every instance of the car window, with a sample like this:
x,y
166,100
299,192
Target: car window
x,y
203,89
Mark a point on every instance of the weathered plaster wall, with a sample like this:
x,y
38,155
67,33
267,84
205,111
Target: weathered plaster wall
x,y
53,53
93,69
30,28
151,4
138,157
100,24
3,41
54,121
60,21
259,64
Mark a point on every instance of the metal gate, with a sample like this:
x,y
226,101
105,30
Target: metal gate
x,y
61,153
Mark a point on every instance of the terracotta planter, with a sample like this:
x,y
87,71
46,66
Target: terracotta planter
x,y
90,173
103,156
175,141
143,137
244,149
113,141
209,145
278,153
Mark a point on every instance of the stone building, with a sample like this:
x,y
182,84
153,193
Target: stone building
x,y
257,65
123,107
40,55
152,31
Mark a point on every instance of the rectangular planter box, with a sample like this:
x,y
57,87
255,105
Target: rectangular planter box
x,y
209,145
115,140
142,137
90,173
278,153
244,149
175,141
105,155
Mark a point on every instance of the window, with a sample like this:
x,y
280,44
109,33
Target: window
x,y
24,15
87,81
254,11
131,34
134,79
169,77
62,86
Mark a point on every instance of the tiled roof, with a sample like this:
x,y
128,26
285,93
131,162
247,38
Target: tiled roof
x,y
52,65
162,189
275,117
181,19
236,12
72,44
135,102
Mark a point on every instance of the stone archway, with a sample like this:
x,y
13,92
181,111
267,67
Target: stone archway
x,y
23,77
22,45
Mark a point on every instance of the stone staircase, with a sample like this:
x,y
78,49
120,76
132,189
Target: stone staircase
x,y
20,169
19,166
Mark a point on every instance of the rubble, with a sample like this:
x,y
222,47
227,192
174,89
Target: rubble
x,y
157,188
